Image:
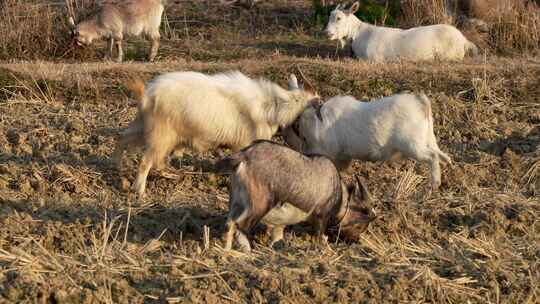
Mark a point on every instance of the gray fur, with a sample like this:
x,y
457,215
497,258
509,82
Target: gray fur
x,y
279,186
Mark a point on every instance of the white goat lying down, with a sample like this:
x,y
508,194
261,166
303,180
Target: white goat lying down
x,y
347,129
202,112
376,43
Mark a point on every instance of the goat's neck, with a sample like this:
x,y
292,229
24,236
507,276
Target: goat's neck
x,y
356,27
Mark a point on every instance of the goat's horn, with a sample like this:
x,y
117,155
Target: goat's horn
x,y
362,187
308,86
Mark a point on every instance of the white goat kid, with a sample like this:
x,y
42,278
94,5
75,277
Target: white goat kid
x,y
114,20
202,112
345,128
376,43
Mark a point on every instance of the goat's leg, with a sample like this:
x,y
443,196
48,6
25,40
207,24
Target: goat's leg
x,y
239,213
321,224
229,237
152,156
120,57
155,46
245,223
111,48
241,237
277,234
144,168
243,241
435,172
116,157
431,157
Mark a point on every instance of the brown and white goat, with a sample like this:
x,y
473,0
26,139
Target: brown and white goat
x,y
202,112
278,186
116,19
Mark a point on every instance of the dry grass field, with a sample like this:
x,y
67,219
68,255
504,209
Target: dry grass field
x,y
70,233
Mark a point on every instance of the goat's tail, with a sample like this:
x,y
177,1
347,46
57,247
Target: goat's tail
x,y
471,49
229,163
137,87
431,133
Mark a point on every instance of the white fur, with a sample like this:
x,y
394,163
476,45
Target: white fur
x,y
371,131
227,108
376,43
201,112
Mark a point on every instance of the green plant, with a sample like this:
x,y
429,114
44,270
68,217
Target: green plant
x,y
370,11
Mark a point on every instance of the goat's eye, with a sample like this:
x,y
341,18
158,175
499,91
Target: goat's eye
x,y
338,18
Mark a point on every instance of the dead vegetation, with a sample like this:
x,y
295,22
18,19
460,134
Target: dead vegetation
x,y
69,233
191,28
512,26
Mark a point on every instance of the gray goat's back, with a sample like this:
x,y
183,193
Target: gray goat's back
x,y
304,180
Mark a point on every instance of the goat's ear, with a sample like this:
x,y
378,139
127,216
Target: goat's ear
x,y
338,7
354,7
293,83
361,192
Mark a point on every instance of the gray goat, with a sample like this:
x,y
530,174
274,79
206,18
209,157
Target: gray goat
x,y
278,186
